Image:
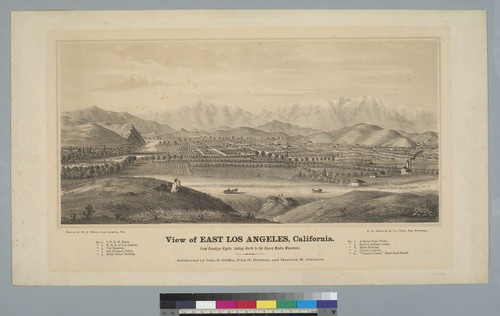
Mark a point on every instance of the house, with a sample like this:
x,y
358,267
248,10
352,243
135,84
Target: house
x,y
357,183
407,168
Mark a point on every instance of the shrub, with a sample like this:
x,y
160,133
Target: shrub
x,y
88,212
122,212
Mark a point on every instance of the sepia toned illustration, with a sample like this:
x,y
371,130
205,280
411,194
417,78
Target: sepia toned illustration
x,y
249,131
190,148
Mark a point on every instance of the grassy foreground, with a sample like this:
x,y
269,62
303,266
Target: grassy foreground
x,y
367,207
131,200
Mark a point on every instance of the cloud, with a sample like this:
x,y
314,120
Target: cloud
x,y
131,83
284,93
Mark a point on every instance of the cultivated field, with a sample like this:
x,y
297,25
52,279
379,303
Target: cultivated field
x,y
276,181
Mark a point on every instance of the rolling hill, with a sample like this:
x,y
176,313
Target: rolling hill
x,y
81,132
84,133
138,200
276,126
275,205
366,206
182,133
95,114
207,119
320,138
362,134
426,138
128,131
246,132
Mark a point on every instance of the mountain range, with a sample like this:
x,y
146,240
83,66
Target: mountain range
x,y
327,115
95,126
330,115
206,116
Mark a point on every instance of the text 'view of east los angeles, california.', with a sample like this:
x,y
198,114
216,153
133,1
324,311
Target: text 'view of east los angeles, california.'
x,y
249,131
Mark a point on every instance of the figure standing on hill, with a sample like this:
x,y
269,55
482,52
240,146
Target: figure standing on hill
x,y
175,186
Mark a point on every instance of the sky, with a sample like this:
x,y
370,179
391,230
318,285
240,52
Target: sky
x,y
144,76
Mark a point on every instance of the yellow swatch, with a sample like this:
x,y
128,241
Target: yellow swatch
x,y
266,304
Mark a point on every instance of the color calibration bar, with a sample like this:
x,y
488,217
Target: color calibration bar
x,y
304,304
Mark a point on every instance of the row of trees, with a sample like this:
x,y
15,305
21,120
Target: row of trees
x,y
79,153
166,157
95,171
259,156
342,177
239,164
313,174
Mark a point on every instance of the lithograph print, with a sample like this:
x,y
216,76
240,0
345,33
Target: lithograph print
x,y
249,148
249,131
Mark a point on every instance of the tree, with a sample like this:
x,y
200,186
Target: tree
x,y
123,209
88,212
343,211
156,214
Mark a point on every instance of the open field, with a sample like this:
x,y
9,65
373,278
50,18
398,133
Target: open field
x,y
180,168
263,187
335,174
